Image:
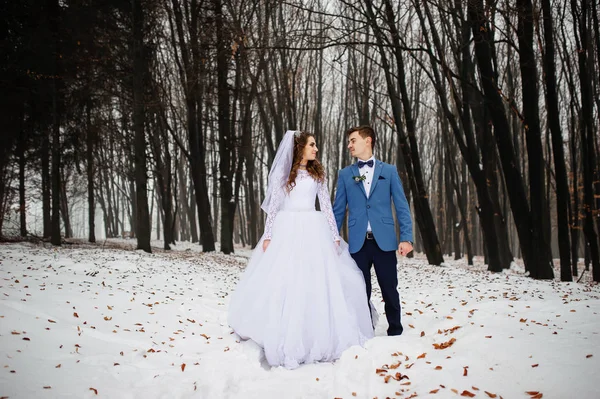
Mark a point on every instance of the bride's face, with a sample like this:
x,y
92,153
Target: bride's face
x,y
310,150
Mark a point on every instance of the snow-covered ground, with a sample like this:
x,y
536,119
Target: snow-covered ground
x,y
105,320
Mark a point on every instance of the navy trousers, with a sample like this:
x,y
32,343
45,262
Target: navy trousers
x,y
385,269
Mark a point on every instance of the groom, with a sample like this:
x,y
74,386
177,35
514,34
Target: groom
x,y
367,188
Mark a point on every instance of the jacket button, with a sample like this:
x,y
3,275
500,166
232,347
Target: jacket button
x,y
368,206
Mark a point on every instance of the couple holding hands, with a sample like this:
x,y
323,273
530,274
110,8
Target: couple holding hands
x,y
305,294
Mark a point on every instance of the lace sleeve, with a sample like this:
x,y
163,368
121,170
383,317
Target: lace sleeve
x,y
325,202
276,200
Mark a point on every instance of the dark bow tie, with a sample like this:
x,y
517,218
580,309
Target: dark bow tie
x,y
369,163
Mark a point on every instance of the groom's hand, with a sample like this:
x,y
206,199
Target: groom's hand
x,y
404,248
266,244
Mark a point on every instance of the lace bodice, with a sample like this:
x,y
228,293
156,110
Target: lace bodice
x,y
302,198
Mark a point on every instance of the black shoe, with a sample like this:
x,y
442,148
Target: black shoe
x,y
395,332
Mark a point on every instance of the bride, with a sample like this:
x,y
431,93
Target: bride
x,y
301,298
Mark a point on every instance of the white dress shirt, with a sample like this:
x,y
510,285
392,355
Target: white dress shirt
x,y
368,172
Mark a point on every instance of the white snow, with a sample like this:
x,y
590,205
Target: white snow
x,y
82,319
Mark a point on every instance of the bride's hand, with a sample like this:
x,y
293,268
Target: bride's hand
x,y
266,244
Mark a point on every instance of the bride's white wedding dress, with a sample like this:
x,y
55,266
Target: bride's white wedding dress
x,y
303,300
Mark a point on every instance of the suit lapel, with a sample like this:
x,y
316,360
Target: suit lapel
x,y
378,168
356,172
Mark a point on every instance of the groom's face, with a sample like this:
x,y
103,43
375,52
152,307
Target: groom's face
x,y
359,147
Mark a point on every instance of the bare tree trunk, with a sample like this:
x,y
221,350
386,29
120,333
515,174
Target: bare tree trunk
x,y
22,144
539,212
142,215
54,11
588,149
553,116
46,184
162,173
91,139
225,133
64,208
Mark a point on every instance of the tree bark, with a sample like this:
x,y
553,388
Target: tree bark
x,y
539,212
588,150
54,11
553,117
22,145
142,215
91,139
225,134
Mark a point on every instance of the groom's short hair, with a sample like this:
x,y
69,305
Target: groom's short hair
x,y
364,131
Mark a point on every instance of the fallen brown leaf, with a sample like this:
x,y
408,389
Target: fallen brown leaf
x,y
422,356
534,394
438,367
75,314
434,391
467,394
535,365
491,395
95,390
182,366
465,372
445,345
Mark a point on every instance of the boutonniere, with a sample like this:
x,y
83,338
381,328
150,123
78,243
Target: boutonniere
x,y
359,178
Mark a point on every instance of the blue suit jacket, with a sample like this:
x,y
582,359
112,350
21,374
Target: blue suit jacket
x,y
377,209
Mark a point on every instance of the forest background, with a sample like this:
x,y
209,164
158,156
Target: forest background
x,y
161,118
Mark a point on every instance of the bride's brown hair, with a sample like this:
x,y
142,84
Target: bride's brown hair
x,y
314,168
